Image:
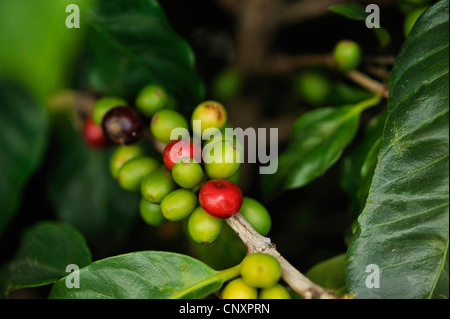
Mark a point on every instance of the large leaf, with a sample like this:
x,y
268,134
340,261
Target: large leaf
x,y
45,251
317,141
134,45
404,228
83,191
22,140
145,275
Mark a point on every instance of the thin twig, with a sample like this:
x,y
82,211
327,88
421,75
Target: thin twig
x,y
368,83
281,63
258,243
307,9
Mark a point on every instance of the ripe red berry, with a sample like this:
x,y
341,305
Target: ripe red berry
x,y
176,150
93,134
220,198
122,125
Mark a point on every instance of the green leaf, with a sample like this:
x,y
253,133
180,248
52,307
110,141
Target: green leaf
x,y
22,142
351,11
46,249
318,139
357,12
330,273
351,178
82,189
404,228
145,275
37,47
134,45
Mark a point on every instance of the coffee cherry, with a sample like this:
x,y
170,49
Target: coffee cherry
x,y
122,125
93,135
238,289
210,114
220,198
314,87
103,105
236,178
204,228
133,172
187,173
164,121
227,84
221,160
257,215
176,150
151,213
121,155
260,270
276,292
411,19
151,99
157,185
179,204
347,55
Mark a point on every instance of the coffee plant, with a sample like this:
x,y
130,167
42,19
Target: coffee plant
x,y
119,178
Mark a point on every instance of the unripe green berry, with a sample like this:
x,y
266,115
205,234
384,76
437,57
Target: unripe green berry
x,y
211,114
121,155
151,99
347,55
260,270
236,178
187,172
204,228
157,185
103,105
227,84
151,213
257,215
221,160
238,289
276,292
133,172
411,19
179,204
164,121
314,87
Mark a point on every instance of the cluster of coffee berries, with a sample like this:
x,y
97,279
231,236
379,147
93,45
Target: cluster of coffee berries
x,y
195,181
258,272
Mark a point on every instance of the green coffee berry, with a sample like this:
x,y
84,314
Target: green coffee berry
x,y
164,121
257,215
260,270
227,84
236,177
179,204
151,99
133,172
276,292
151,213
121,155
157,185
238,289
314,87
347,55
221,160
411,19
103,105
211,114
187,172
204,228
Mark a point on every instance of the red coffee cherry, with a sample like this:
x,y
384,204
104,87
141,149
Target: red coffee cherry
x,y
122,125
220,198
176,150
93,135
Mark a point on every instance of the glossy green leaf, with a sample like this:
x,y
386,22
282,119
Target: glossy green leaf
x,y
329,273
134,45
404,228
145,275
318,139
46,249
22,141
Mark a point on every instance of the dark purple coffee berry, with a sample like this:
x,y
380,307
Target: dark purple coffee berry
x,y
122,125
